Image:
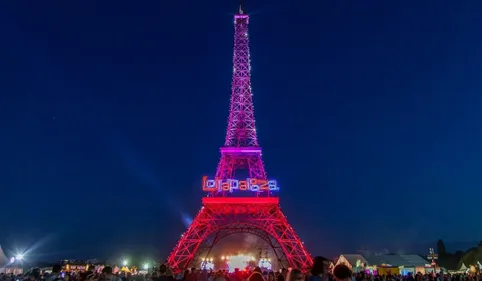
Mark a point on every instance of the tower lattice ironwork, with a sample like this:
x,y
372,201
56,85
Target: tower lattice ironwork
x,y
241,149
223,215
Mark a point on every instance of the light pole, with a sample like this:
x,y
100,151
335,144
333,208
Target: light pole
x,y
433,256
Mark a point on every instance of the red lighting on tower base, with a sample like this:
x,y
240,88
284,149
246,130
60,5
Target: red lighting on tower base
x,y
224,216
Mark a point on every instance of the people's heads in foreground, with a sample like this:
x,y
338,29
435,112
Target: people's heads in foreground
x,y
320,267
342,273
295,275
107,271
56,269
162,269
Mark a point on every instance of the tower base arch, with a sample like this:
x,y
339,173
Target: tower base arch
x,y
223,216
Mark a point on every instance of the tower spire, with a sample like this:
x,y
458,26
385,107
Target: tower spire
x,y
241,7
241,131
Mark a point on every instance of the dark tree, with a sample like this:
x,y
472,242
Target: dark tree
x,y
441,248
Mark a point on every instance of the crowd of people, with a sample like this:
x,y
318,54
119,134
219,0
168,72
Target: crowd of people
x,y
319,272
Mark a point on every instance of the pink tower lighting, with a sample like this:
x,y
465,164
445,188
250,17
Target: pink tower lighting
x,y
241,131
241,149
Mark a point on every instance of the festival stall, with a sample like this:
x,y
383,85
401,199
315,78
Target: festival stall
x,y
75,267
386,269
355,262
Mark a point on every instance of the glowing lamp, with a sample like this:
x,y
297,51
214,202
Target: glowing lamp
x,y
124,263
12,260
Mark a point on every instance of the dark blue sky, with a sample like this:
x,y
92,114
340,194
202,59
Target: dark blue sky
x,y
111,111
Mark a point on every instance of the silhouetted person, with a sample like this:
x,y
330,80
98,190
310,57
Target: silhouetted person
x,y
342,273
164,274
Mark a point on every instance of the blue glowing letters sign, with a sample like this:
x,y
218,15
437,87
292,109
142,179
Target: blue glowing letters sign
x,y
229,185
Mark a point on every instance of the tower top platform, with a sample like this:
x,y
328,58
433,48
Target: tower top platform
x,y
240,200
254,149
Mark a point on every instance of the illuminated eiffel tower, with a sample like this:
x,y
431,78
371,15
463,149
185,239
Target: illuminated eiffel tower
x,y
240,206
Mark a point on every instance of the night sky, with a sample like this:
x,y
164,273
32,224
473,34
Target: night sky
x,y
368,113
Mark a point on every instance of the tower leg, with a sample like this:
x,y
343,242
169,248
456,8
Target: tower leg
x,y
210,247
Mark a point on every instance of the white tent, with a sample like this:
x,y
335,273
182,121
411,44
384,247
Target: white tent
x,y
6,266
463,267
3,258
3,261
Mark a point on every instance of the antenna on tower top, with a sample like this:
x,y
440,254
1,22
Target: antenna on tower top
x,y
241,7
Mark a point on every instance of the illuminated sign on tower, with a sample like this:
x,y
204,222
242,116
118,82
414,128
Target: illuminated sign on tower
x,y
230,185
